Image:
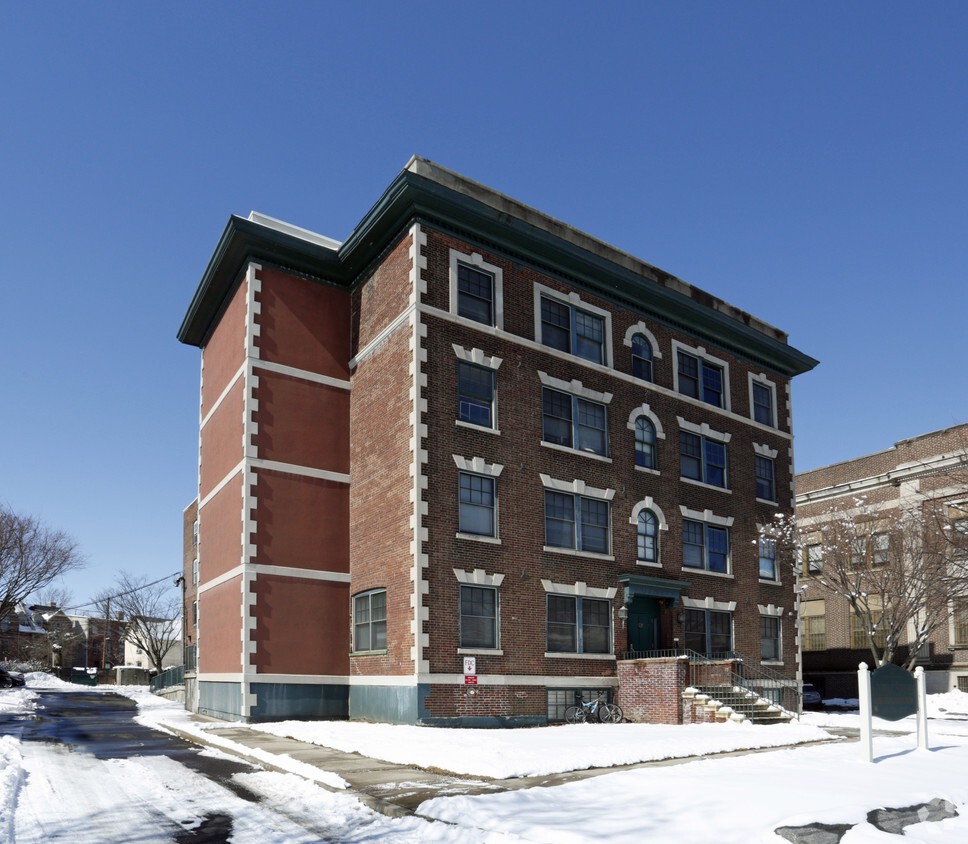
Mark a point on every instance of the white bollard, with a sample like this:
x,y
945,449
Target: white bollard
x,y
922,709
864,699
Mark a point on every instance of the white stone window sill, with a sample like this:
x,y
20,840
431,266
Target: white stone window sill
x,y
766,582
647,470
650,565
767,501
493,540
771,662
557,655
568,450
726,575
368,653
694,482
481,651
571,552
482,428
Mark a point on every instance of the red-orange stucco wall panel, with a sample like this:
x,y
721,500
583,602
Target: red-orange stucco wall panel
x,y
304,324
300,626
302,522
302,423
220,628
223,354
221,441
220,532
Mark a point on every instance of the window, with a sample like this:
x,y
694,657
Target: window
x,y
814,617
765,482
641,358
475,294
476,505
573,330
961,622
873,550
194,613
560,699
645,443
709,632
858,634
814,559
195,570
589,532
648,537
578,625
702,459
195,534
478,617
574,422
770,638
370,621
475,395
767,548
705,546
700,379
763,403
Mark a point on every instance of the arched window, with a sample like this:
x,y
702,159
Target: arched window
x,y
644,443
648,537
641,357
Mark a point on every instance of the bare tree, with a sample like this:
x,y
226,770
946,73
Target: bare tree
x,y
897,568
151,612
32,556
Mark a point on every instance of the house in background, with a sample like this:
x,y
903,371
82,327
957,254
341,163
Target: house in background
x,y
930,467
467,463
136,656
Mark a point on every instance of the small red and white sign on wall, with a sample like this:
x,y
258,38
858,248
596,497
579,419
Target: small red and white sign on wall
x,y
470,679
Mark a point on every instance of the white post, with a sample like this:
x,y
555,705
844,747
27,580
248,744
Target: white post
x,y
864,699
922,709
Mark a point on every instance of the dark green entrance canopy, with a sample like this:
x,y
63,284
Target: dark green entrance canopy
x,y
652,587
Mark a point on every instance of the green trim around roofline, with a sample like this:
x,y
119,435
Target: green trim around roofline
x,y
413,196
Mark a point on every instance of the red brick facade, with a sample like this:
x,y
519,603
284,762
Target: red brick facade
x,y
334,400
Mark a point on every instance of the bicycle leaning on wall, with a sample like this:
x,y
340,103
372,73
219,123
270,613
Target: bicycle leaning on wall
x,y
598,709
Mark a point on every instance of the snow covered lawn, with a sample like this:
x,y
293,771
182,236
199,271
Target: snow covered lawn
x,y
721,798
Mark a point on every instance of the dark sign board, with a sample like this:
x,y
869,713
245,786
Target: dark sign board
x,y
894,693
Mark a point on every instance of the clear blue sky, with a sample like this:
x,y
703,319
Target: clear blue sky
x,y
806,162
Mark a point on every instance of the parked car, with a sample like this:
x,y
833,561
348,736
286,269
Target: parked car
x,y
811,697
9,679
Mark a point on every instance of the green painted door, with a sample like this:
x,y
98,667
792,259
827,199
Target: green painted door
x,y
644,624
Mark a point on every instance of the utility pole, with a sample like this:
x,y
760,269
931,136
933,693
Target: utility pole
x,y
107,631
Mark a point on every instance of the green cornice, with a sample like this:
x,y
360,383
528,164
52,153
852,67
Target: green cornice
x,y
442,199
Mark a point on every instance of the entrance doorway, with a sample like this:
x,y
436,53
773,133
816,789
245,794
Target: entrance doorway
x,y
643,624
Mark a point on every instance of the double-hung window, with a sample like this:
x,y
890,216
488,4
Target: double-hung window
x,y
475,294
370,621
768,570
645,443
763,403
769,638
571,329
702,459
705,546
477,499
709,632
641,357
577,522
574,422
765,480
814,558
475,394
478,617
648,537
700,379
960,619
578,625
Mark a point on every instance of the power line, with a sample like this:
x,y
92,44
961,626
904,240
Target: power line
x,y
97,601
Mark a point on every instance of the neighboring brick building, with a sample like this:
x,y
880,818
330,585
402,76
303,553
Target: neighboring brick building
x,y
189,584
472,431
914,472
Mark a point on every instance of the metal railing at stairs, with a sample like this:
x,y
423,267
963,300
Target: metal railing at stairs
x,y
761,694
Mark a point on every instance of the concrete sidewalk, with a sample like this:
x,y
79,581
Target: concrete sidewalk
x,y
392,789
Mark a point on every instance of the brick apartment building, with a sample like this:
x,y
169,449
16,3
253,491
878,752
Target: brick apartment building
x,y
470,430
912,474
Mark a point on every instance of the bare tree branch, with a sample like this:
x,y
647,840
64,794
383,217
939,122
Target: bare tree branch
x,y
151,612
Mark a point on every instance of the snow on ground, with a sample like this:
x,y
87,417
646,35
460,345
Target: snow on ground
x,y
540,750
728,799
